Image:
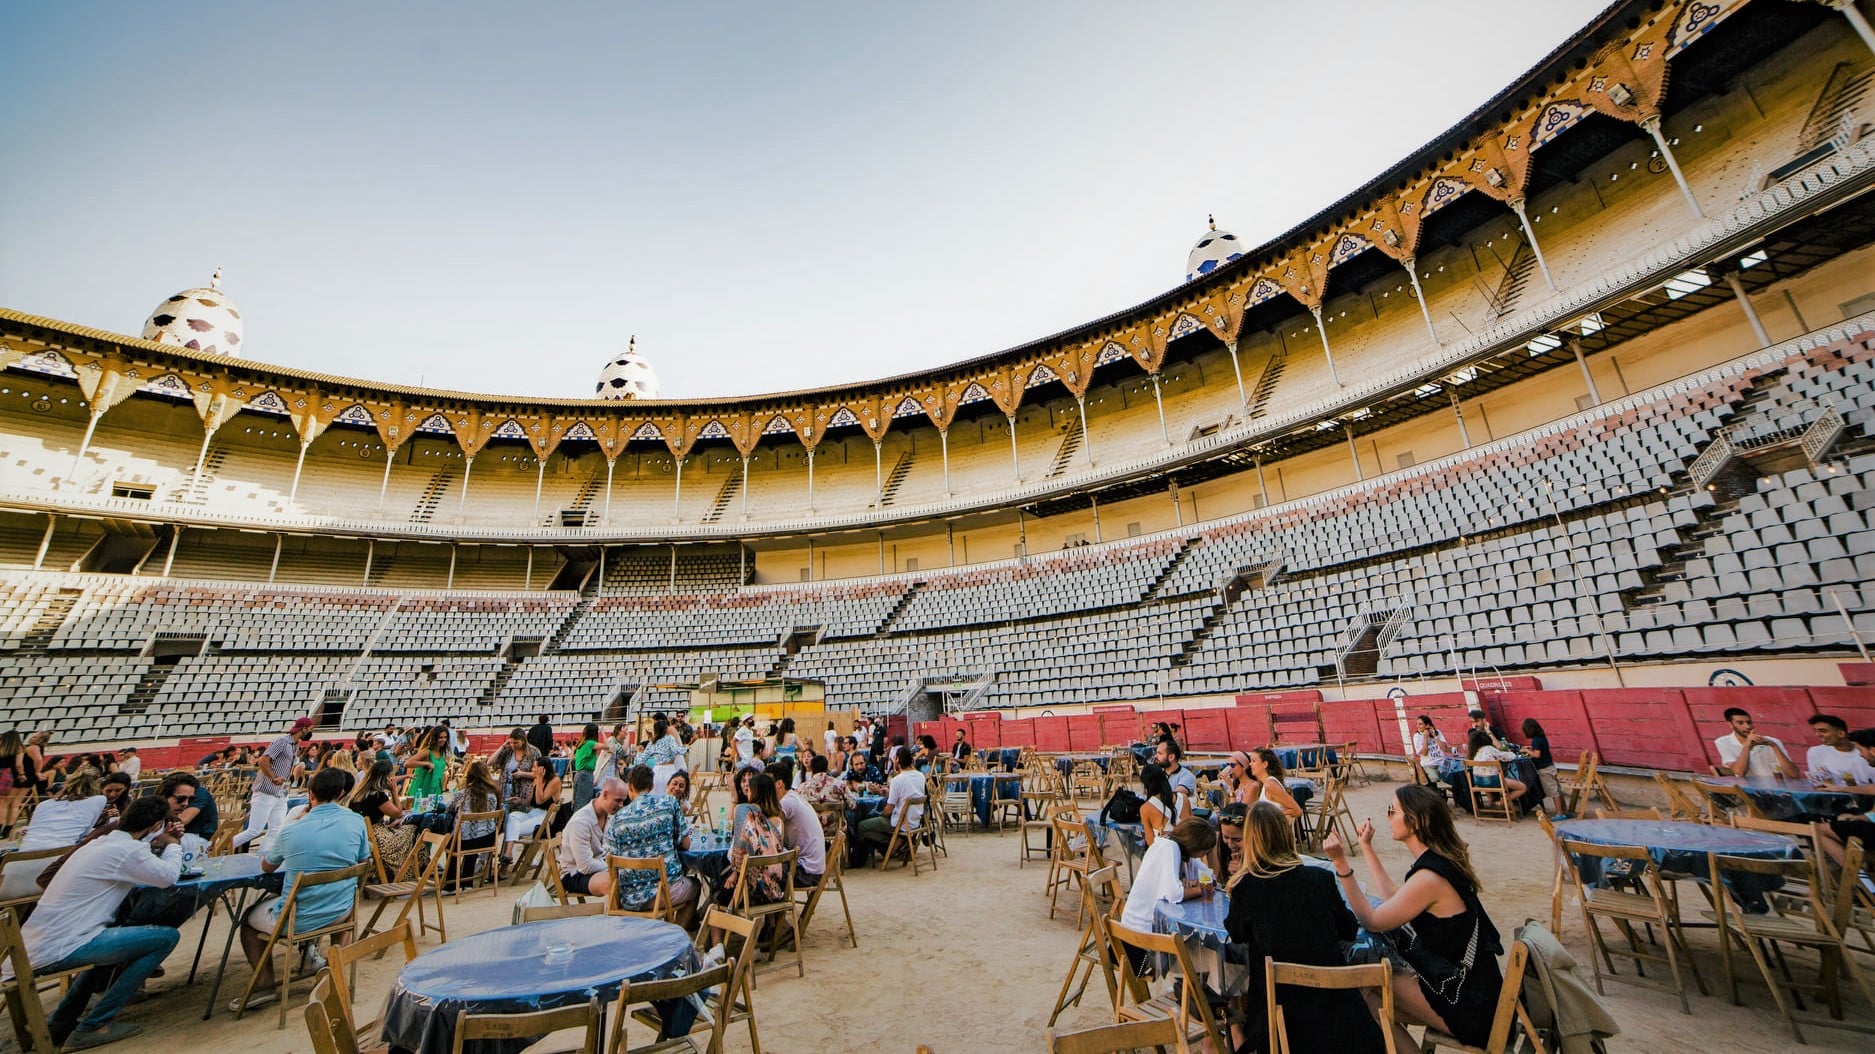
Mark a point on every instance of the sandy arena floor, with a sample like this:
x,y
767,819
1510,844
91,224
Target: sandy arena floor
x,y
965,959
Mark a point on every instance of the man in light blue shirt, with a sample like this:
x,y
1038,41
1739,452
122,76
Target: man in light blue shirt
x,y
329,837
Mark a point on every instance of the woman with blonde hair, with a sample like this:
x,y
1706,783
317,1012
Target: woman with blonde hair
x,y
14,781
1283,909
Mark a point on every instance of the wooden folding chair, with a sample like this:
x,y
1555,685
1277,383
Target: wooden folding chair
x,y
284,932
1638,900
531,1026
544,912
1190,1008
737,1001
1510,1009
1722,803
1680,804
324,1026
833,880
1815,928
550,874
1855,902
1375,976
534,852
1158,1034
772,914
911,835
1351,766
492,852
1077,855
1490,803
1804,835
342,964
1099,894
1038,801
1330,812
648,992
1586,782
427,859
23,860
21,990
660,906
1563,875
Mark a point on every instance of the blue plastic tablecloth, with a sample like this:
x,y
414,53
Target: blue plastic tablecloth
x,y
708,855
507,971
1201,922
865,805
1681,846
1064,763
1007,787
1523,770
1004,756
1784,800
1305,757
148,905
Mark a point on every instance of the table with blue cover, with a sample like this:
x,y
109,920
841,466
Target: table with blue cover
x,y
858,851
1681,846
708,856
511,971
1305,756
1007,757
1790,799
1005,785
1200,924
221,877
1064,763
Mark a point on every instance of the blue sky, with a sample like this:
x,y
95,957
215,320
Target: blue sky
x,y
492,197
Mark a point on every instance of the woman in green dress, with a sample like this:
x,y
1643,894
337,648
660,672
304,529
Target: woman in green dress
x,y
585,765
427,766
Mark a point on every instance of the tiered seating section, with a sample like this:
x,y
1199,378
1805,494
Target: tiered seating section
x,y
1571,544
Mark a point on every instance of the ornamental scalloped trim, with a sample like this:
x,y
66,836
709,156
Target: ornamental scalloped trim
x,y
713,430
907,407
581,430
1109,352
647,431
510,429
1185,324
1041,375
268,403
355,415
973,394
776,426
436,423
843,419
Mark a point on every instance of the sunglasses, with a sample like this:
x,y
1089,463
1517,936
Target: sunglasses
x,y
182,797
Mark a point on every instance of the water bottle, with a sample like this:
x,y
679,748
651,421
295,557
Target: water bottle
x,y
722,818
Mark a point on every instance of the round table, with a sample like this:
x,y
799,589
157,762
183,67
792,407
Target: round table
x,y
1677,845
1004,785
1786,799
708,855
1004,756
507,971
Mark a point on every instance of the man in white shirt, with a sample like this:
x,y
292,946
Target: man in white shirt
x,y
1835,758
582,860
906,783
1171,758
72,926
1744,752
745,739
266,808
129,763
800,829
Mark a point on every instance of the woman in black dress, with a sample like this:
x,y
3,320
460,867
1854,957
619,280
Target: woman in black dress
x,y
1292,913
1453,944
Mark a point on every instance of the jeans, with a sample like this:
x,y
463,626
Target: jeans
x,y
265,812
135,952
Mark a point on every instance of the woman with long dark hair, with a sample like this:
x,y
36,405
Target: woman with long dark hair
x,y
375,799
757,829
1453,946
479,793
1161,808
1266,770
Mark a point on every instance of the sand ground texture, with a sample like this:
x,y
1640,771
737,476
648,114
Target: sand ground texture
x,y
966,959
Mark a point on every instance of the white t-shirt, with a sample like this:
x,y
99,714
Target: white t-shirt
x,y
907,784
1835,763
1160,876
83,898
131,765
62,822
1763,764
745,742
1430,748
802,832
829,738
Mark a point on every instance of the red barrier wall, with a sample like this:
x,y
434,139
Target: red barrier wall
x,y
1249,726
1778,712
1357,721
1447,710
1084,732
1646,727
1206,730
1051,734
1312,695
1854,704
1019,733
1120,729
1561,714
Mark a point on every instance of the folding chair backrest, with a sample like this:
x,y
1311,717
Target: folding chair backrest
x,y
1192,1001
745,880
631,993
286,923
1849,888
18,861
329,1035
1376,976
1678,804
660,906
1113,1039
341,957
1508,996
531,1025
544,912
29,1017
1719,865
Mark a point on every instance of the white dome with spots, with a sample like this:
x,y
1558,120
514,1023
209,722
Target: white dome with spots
x,y
628,376
1213,251
201,319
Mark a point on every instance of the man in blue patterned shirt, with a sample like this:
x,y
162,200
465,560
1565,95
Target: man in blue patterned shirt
x,y
651,825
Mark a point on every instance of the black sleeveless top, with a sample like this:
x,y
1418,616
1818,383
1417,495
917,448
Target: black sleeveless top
x,y
1468,1002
